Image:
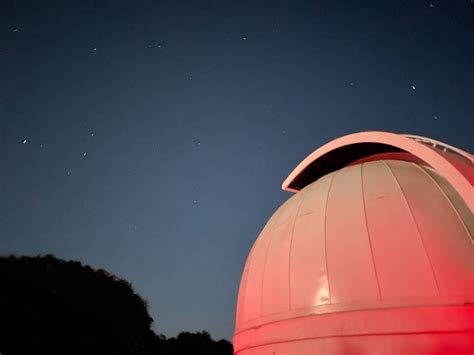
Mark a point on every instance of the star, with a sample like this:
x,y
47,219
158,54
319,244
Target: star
x,y
24,141
195,201
435,117
413,87
431,5
244,38
15,30
68,172
84,154
159,46
351,83
41,145
94,49
92,134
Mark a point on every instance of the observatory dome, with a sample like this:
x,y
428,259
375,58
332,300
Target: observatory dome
x,y
372,254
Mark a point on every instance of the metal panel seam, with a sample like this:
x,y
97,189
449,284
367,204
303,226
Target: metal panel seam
x,y
447,198
416,224
367,228
263,273
452,303
325,232
291,243
243,284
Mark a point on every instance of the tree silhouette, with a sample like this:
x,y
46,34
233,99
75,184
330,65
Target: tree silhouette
x,y
52,306
199,343
49,305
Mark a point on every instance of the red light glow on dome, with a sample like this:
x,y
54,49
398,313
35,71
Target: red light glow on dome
x,y
372,254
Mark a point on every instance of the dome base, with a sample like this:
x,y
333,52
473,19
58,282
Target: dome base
x,y
423,330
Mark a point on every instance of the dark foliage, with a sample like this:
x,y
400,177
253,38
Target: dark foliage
x,y
194,343
51,306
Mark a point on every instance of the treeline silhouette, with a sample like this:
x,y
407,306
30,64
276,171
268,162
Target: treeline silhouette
x,y
52,306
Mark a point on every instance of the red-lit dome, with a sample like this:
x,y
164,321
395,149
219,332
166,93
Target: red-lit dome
x,y
374,254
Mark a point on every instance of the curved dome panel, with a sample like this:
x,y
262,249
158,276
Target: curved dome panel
x,y
377,247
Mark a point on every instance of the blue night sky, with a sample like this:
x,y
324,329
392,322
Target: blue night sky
x,y
150,138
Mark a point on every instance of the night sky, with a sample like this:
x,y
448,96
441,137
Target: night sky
x,y
151,138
